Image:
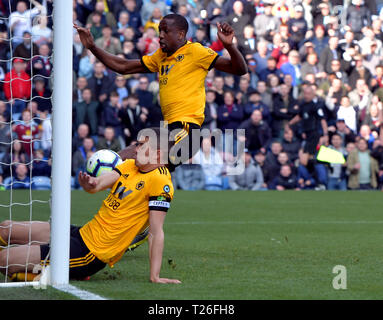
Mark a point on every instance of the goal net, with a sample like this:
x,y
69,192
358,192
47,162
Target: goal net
x,y
30,108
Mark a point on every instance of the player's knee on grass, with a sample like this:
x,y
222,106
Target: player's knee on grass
x,y
13,260
4,233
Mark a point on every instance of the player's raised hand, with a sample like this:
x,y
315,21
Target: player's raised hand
x,y
85,36
225,33
87,182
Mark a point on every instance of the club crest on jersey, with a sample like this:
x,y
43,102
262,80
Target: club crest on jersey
x,y
166,188
180,57
140,185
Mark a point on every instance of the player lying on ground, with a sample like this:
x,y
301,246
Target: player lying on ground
x,y
141,191
182,67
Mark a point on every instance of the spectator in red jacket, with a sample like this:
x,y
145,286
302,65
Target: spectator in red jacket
x,y
17,85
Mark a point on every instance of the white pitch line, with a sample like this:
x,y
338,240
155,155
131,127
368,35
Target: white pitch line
x,y
274,222
79,293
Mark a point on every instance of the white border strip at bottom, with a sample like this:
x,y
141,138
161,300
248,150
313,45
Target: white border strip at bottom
x,y
82,294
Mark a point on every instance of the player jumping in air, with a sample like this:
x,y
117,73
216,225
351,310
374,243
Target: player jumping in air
x,y
182,67
140,194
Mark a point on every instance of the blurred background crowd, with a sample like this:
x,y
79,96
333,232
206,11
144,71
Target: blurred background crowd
x,y
315,78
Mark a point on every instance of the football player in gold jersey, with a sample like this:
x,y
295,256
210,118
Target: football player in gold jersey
x,y
140,194
182,67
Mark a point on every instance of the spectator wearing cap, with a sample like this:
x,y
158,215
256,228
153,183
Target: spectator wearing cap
x,y
26,49
266,24
297,27
20,88
250,179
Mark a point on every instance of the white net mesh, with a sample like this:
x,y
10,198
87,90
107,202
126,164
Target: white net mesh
x,y
25,129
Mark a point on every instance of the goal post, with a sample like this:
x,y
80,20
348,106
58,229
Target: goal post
x,y
62,141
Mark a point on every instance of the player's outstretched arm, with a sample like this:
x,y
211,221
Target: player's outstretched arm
x,y
114,63
236,64
93,185
156,246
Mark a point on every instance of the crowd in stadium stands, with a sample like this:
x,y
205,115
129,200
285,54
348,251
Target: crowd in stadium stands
x,y
332,46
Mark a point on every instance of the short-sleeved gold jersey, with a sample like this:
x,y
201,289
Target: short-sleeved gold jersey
x,y
125,212
182,81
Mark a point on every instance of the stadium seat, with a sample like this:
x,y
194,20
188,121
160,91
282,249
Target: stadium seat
x,y
41,183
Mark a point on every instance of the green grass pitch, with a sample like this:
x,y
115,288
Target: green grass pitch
x,y
240,245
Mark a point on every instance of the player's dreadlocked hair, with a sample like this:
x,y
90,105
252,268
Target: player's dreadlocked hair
x,y
179,21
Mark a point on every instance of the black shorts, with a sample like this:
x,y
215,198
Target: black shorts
x,y
187,140
82,263
311,142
